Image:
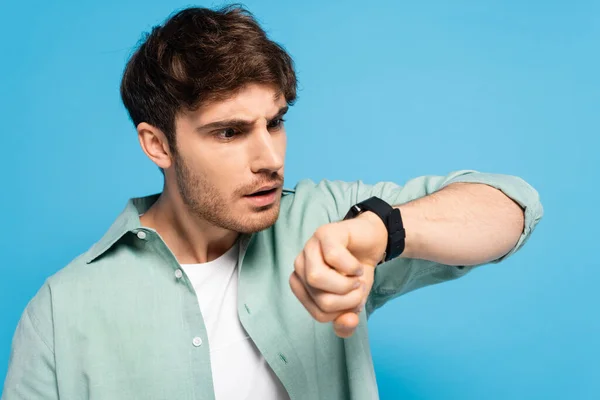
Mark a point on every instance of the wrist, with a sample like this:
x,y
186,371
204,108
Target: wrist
x,y
380,233
376,221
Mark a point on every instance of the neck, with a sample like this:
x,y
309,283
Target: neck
x,y
191,239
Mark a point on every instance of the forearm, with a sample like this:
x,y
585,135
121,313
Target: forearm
x,y
462,224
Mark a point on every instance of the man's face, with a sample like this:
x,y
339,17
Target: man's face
x,y
229,150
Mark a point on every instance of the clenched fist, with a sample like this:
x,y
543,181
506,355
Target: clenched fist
x,y
334,273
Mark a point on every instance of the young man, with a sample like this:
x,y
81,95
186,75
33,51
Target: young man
x,y
223,285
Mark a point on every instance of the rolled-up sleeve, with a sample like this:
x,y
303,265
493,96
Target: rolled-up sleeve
x,y
518,190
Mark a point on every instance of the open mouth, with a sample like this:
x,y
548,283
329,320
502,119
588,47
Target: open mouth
x,y
263,193
263,198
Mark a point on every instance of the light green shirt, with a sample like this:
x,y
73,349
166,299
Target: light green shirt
x,y
119,323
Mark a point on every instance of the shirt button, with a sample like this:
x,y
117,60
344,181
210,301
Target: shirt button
x,y
141,235
197,342
178,274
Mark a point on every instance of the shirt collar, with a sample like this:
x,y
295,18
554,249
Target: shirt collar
x,y
128,221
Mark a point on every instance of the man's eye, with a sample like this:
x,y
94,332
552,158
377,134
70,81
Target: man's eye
x,y
227,133
276,123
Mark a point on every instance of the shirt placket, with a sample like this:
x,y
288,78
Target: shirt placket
x,y
261,324
192,321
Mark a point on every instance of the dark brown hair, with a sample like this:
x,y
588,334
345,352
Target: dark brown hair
x,y
201,55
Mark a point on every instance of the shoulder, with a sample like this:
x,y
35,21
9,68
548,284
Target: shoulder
x,y
83,284
87,273
72,273
41,308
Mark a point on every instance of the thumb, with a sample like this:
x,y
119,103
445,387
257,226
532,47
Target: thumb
x,y
345,324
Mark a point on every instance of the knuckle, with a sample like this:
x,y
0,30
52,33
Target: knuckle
x,y
332,256
321,316
293,285
298,264
322,231
313,277
326,303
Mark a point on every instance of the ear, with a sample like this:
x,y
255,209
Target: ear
x,y
155,145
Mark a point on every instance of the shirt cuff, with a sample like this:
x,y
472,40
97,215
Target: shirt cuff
x,y
515,188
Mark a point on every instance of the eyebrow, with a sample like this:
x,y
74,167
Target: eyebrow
x,y
238,123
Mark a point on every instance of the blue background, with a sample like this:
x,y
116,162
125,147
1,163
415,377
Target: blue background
x,y
389,90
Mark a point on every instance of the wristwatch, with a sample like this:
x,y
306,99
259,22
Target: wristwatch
x,y
391,219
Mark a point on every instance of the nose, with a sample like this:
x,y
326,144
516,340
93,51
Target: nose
x,y
267,152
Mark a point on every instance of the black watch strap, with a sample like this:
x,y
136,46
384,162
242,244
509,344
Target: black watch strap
x,y
392,220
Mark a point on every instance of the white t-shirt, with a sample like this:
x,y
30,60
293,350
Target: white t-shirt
x,y
238,368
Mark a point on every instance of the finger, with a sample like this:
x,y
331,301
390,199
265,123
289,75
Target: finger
x,y
319,275
335,303
300,292
299,264
336,254
345,324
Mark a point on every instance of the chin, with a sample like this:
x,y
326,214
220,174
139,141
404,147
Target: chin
x,y
260,219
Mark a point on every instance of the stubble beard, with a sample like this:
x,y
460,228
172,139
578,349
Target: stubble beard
x,y
205,201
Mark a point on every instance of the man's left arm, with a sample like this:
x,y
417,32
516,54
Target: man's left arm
x,y
452,224
464,224
469,219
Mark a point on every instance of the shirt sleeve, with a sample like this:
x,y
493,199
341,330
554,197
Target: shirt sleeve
x,y
31,370
403,275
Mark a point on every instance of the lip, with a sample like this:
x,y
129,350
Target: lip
x,y
264,188
266,199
